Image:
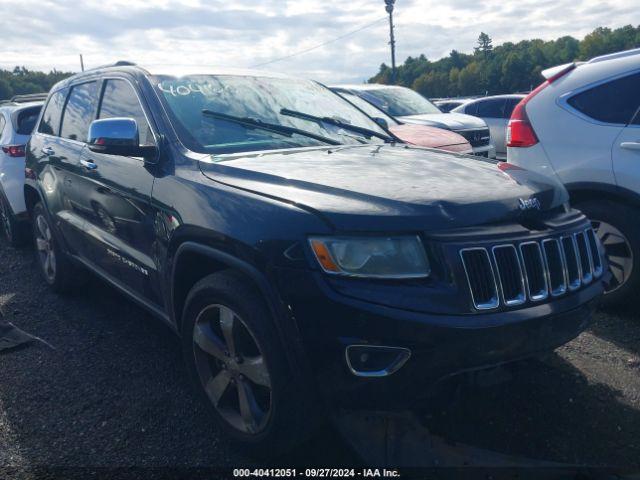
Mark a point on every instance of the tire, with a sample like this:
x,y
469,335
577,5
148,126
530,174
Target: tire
x,y
59,273
13,230
283,418
617,227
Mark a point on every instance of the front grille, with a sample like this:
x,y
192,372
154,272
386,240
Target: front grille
x,y
476,137
533,270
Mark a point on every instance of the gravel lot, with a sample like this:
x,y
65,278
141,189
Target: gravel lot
x,y
112,392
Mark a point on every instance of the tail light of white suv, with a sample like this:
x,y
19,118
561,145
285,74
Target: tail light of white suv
x,y
520,132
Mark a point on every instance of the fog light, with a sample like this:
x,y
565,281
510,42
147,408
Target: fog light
x,y
375,360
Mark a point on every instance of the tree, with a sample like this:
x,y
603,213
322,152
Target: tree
x,y
485,45
21,80
505,68
5,89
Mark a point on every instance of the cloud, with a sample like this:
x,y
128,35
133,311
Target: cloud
x,y
51,34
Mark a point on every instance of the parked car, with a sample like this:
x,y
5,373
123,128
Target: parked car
x,y
419,135
304,257
445,105
17,118
410,107
496,112
582,127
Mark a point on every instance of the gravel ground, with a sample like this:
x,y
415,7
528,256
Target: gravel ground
x,y
112,392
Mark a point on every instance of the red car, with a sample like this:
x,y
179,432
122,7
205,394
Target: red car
x,y
419,135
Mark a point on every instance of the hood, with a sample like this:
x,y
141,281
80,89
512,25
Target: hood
x,y
387,187
449,121
425,136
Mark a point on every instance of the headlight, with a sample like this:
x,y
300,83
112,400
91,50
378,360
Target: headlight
x,y
385,257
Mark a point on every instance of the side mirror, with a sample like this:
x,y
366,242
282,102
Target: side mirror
x,y
381,122
118,136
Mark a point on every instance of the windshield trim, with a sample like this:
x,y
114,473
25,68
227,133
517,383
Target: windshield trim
x,y
223,157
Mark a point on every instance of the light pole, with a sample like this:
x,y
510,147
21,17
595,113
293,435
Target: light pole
x,y
392,40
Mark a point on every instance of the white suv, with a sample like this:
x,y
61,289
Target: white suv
x,y
17,118
582,125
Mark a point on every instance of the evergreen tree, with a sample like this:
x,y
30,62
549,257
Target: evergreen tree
x,y
510,67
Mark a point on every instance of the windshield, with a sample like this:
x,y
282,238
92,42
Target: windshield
x,y
227,113
399,101
368,108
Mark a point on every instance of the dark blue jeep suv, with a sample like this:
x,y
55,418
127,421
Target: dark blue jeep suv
x,y
305,257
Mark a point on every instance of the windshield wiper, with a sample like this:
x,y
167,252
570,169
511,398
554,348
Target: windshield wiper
x,y
333,121
270,127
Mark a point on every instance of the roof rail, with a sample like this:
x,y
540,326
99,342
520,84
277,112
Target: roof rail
x,y
119,63
29,97
612,56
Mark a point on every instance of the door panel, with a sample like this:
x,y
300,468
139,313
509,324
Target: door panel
x,y
119,218
626,158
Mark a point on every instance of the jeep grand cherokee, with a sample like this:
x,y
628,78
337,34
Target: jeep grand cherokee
x,y
303,256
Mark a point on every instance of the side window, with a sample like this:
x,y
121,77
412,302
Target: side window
x,y
471,108
120,100
615,101
50,123
509,106
3,122
79,111
491,108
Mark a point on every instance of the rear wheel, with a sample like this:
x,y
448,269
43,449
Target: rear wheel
x,y
56,268
616,226
239,369
12,229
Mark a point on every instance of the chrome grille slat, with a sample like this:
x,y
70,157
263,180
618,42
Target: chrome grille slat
x,y
535,272
585,257
572,262
596,259
556,270
480,277
510,277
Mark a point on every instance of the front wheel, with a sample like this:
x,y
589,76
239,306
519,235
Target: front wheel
x,y
238,366
617,228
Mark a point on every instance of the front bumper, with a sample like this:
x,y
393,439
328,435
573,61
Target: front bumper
x,y
488,151
440,345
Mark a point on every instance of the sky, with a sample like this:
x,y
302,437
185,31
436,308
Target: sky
x,y
45,34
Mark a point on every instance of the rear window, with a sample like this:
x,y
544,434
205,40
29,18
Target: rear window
x,y
510,105
615,101
50,123
3,122
27,120
491,108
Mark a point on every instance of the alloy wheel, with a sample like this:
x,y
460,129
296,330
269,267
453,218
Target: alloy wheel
x,y
618,252
44,245
232,369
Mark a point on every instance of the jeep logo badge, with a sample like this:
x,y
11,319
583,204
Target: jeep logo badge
x,y
529,204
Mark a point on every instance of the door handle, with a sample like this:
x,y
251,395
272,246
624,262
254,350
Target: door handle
x,y
88,164
48,151
630,145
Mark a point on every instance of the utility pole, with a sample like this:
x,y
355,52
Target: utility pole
x,y
81,63
392,40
